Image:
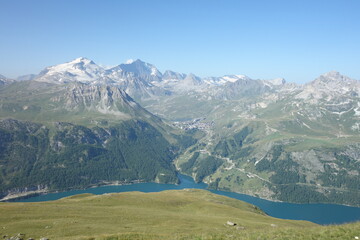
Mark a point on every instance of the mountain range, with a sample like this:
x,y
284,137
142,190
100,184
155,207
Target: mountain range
x,y
267,138
139,79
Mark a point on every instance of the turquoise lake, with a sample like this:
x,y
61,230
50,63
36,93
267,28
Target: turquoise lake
x,y
317,213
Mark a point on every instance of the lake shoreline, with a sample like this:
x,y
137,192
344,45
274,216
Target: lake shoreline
x,y
320,213
29,194
23,194
32,193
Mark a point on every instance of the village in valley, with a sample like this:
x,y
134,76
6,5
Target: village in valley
x,y
197,123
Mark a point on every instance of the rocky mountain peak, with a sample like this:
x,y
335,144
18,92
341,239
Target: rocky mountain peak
x,y
99,98
142,69
334,79
332,74
329,86
171,75
192,80
277,81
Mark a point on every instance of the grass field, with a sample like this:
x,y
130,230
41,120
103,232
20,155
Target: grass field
x,y
185,214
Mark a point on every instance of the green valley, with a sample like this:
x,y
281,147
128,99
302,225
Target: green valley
x,y
285,144
55,138
270,139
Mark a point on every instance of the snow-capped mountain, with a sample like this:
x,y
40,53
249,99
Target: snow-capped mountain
x,y
80,70
224,79
135,77
146,71
86,71
143,80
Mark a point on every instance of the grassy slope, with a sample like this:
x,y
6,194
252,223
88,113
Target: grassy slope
x,y
185,214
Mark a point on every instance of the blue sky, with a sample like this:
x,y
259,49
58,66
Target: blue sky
x,y
297,40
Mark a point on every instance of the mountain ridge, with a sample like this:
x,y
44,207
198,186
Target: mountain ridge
x,y
266,138
143,69
144,81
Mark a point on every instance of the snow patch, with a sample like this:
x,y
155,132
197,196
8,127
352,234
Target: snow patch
x,y
130,61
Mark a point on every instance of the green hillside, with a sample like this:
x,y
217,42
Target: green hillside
x,y
279,148
185,214
56,137
77,157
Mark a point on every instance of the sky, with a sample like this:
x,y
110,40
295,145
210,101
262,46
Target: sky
x,y
296,40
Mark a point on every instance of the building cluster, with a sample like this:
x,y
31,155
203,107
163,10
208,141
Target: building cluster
x,y
197,123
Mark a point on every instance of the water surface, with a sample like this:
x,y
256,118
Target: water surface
x,y
317,213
